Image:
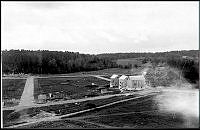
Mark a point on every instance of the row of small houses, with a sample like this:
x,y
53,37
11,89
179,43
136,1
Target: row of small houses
x,y
136,82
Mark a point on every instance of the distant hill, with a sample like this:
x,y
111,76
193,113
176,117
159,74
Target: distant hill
x,y
115,56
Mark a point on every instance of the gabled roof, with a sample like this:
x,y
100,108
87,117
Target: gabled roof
x,y
114,76
137,77
123,77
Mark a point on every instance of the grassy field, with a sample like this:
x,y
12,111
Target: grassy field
x,y
108,72
12,88
75,87
129,106
132,61
138,113
141,113
61,124
62,109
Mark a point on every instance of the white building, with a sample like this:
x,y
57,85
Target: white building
x,y
123,82
114,81
136,82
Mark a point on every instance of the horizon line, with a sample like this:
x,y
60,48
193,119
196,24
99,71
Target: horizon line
x,y
97,53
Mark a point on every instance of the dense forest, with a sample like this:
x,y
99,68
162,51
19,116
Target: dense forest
x,y
44,62
55,62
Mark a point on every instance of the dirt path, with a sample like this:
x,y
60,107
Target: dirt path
x,y
27,98
98,76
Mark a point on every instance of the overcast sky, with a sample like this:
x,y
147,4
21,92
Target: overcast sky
x,y
100,27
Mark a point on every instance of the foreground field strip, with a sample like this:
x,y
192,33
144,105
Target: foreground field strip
x,y
13,78
91,116
63,76
84,99
120,114
192,91
56,76
116,114
54,118
93,123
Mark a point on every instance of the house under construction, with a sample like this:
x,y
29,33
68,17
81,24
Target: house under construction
x,y
136,82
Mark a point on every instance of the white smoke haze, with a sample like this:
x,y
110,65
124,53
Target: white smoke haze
x,y
181,101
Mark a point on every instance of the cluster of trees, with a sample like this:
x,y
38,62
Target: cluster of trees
x,y
188,67
44,62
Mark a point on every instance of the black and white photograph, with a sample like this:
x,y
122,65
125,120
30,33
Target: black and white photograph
x,y
99,64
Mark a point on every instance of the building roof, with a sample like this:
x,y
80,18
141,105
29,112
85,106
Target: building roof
x,y
123,77
137,77
114,76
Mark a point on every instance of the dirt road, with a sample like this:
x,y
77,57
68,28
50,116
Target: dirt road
x,y
27,98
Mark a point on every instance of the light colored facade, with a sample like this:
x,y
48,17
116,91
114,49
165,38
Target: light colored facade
x,y
114,81
136,82
123,82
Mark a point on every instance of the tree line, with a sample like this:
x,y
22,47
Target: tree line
x,y
56,62
51,62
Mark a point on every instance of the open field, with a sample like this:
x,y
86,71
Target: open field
x,y
74,87
12,88
139,113
63,109
108,72
132,61
142,113
61,124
